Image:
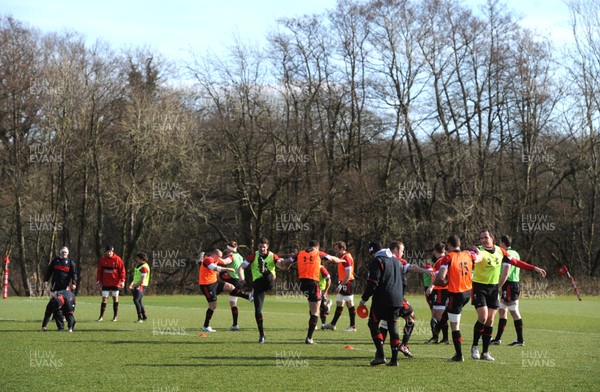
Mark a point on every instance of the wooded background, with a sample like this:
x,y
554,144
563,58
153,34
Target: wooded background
x,y
393,120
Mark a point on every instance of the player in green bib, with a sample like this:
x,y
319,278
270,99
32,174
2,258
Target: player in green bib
x,y
510,298
324,284
141,280
262,266
235,261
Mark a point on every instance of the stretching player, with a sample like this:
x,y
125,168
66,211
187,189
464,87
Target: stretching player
x,y
235,261
210,286
62,305
262,265
486,276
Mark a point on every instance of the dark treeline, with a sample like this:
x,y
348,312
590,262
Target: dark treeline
x,y
406,120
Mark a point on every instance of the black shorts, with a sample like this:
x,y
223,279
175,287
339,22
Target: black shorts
x,y
510,291
310,289
456,301
263,284
211,291
438,297
485,295
379,313
235,282
349,288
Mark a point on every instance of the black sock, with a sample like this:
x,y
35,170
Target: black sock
x,y
457,340
209,313
487,336
501,326
519,328
259,324
433,324
408,328
395,350
102,309
378,347
338,313
234,314
352,312
477,331
115,309
312,324
443,326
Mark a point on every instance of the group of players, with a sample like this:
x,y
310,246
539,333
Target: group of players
x,y
61,278
457,277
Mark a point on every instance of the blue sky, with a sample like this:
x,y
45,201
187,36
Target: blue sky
x,y
176,27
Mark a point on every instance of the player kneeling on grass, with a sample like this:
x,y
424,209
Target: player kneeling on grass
x,y
61,305
210,286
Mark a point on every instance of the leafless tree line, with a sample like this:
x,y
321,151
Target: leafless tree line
x,y
389,119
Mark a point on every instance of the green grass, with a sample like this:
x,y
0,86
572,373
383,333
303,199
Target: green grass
x,y
562,339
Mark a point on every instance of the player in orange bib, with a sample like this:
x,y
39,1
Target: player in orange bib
x,y
309,267
345,289
437,297
455,272
210,286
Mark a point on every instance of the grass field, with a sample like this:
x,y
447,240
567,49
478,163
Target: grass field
x,y
166,353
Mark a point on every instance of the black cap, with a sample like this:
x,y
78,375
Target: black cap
x,y
109,247
374,246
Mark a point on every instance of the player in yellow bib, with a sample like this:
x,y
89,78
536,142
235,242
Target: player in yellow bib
x,y
141,280
486,276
